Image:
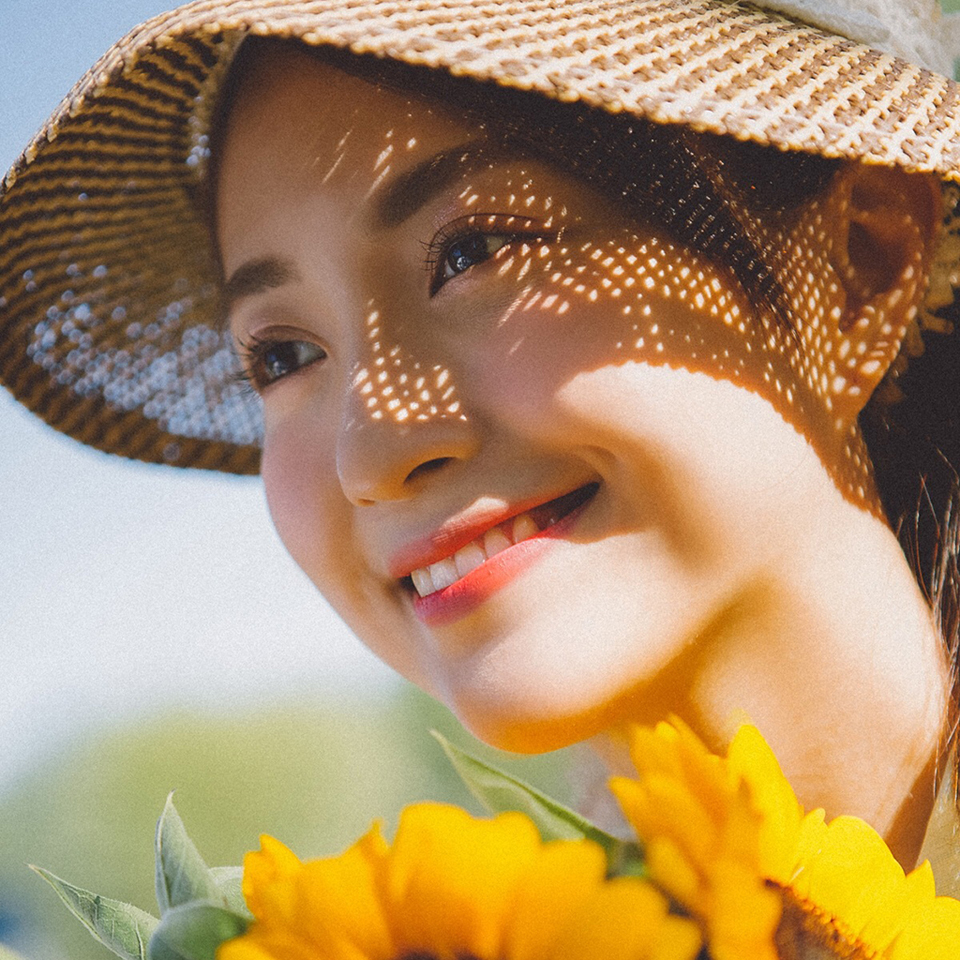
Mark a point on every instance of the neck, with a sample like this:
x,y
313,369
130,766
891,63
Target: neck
x,y
835,658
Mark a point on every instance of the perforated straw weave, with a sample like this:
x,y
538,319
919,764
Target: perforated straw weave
x,y
107,282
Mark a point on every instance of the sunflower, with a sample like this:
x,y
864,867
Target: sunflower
x,y
727,838
714,830
453,887
849,892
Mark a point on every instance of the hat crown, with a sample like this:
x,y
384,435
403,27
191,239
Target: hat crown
x,y
915,30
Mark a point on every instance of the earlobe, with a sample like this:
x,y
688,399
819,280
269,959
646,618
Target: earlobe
x,y
888,222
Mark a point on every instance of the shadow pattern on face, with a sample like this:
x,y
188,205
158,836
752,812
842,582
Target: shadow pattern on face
x,y
736,233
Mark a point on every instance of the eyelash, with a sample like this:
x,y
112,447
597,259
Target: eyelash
x,y
254,352
476,225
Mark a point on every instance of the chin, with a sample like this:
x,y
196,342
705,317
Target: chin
x,y
565,672
520,708
523,732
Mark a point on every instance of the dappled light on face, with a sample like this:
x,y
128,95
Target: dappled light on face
x,y
639,296
450,264
381,165
645,299
394,387
852,298
339,152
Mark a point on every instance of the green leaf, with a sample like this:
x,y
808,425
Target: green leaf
x,y
120,927
229,882
498,791
193,931
182,875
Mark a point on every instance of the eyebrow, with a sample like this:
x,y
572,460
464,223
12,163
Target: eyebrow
x,y
410,191
401,199
257,276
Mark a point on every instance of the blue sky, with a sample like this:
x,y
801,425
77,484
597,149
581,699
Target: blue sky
x,y
126,588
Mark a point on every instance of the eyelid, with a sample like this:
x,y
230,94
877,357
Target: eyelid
x,y
479,223
510,224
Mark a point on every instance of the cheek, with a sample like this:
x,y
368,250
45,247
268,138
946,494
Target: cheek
x,y
613,305
630,298
644,299
304,497
316,523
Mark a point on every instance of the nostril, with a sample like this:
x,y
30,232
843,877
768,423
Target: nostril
x,y
426,468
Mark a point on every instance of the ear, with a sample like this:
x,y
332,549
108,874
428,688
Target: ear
x,y
888,222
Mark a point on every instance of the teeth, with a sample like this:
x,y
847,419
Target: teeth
x,y
494,541
440,575
444,573
469,558
524,527
423,581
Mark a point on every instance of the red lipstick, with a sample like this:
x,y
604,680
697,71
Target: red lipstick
x,y
554,518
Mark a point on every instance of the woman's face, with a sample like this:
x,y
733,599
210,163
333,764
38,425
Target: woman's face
x,y
533,452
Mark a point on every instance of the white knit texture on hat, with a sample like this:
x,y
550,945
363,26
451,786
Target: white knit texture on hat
x,y
916,30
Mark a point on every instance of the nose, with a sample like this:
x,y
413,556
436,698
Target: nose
x,y
397,434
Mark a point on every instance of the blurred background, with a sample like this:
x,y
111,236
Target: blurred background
x,y
154,636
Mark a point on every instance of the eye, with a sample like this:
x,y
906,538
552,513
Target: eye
x,y
267,360
469,241
468,251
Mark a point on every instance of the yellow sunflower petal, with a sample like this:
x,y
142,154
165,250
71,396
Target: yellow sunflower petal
x,y
257,945
852,875
813,831
934,934
898,906
452,878
680,938
737,835
752,760
673,871
655,750
707,826
266,873
626,919
565,874
708,774
742,915
301,908
341,902
452,886
848,880
660,805
728,839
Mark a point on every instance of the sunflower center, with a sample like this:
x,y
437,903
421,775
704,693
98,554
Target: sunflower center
x,y
807,931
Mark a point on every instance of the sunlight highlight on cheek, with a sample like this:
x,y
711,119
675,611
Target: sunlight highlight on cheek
x,y
653,295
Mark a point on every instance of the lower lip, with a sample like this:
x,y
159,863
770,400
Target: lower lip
x,y
469,592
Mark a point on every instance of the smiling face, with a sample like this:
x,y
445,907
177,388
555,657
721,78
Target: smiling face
x,y
538,454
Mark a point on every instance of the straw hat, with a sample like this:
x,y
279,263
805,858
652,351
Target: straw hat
x,y
108,293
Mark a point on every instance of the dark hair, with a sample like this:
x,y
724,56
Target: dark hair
x,y
914,445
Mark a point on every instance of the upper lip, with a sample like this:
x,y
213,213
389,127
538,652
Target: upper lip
x,y
464,528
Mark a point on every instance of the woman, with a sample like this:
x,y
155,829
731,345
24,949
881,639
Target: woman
x,y
561,410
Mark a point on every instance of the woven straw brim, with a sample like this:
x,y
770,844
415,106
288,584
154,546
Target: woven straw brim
x,y
108,302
